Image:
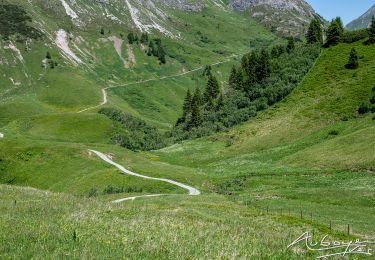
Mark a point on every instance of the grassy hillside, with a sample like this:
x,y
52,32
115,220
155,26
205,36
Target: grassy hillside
x,y
169,227
312,143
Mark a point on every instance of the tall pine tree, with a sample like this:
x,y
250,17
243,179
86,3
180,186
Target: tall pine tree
x,y
335,32
372,31
196,113
198,97
212,89
246,75
233,78
131,38
161,54
263,70
315,32
187,105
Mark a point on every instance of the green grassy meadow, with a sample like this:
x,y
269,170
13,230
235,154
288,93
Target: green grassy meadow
x,y
311,152
64,226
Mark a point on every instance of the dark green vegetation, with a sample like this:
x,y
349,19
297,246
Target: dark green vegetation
x,y
155,47
137,134
368,106
335,32
353,62
315,32
371,39
14,21
264,78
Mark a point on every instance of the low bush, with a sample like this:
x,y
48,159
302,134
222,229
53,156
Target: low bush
x,y
137,135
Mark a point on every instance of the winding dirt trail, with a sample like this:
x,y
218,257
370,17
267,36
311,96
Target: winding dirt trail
x,y
104,90
191,190
105,101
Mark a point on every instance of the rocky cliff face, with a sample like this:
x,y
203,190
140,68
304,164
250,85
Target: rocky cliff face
x,y
363,21
283,17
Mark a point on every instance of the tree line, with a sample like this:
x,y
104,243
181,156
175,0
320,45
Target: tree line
x,y
155,46
263,78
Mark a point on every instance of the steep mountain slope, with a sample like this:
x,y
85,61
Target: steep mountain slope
x,y
363,21
88,49
283,17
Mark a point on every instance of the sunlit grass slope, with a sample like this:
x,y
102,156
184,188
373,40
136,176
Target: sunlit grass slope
x,y
49,225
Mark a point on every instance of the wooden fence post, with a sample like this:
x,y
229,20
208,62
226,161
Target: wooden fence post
x,y
348,229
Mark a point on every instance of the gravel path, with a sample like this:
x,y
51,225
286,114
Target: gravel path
x,y
191,190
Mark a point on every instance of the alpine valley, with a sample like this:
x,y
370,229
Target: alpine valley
x,y
183,129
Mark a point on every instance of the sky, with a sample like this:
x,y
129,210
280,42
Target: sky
x,y
348,10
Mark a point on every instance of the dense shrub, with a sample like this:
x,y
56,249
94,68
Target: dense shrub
x,y
93,192
114,190
364,108
138,135
354,36
15,21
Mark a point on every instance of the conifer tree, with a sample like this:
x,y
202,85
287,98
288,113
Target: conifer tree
x,y
131,38
315,32
263,69
144,38
198,97
207,71
220,102
240,79
161,54
372,31
48,55
233,78
196,113
335,32
102,31
187,105
249,66
353,60
151,48
212,89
